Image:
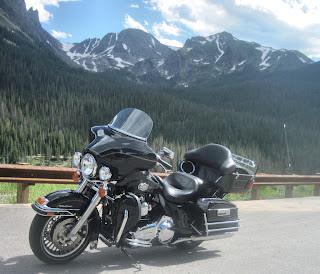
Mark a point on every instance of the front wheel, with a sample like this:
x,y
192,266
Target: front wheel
x,y
49,242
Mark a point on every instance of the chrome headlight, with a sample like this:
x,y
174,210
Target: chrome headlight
x,y
105,173
88,165
76,159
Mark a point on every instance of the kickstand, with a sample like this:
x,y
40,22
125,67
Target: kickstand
x,y
136,262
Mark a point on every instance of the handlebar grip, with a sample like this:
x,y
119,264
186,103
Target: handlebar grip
x,y
165,164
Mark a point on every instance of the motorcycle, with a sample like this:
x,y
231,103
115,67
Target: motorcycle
x,y
120,202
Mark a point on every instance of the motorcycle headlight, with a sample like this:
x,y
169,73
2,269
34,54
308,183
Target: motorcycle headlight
x,y
76,159
88,165
105,173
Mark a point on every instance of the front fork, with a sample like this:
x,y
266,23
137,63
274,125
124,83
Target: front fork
x,y
94,203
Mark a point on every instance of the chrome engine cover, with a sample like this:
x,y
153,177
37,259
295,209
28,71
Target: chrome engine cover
x,y
161,231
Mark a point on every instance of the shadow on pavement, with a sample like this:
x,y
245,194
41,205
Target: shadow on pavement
x,y
108,259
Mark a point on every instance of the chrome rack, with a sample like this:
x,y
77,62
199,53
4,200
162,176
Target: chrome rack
x,y
243,161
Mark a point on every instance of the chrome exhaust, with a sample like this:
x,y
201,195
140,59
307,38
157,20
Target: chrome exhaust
x,y
204,238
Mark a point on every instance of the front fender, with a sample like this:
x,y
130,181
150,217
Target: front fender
x,y
68,203
62,202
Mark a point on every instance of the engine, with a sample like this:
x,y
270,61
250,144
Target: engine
x,y
157,233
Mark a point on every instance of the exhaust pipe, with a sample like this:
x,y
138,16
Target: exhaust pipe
x,y
204,238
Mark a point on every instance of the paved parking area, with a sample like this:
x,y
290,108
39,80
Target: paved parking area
x,y
277,236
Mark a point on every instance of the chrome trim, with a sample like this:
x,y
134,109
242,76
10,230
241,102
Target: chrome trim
x,y
138,243
225,223
204,238
144,209
44,209
206,223
109,198
125,219
227,229
223,212
194,168
94,202
243,161
82,185
127,134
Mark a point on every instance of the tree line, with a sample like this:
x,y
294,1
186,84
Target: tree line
x,y
48,108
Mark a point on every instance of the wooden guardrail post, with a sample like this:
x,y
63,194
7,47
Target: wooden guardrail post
x,y
289,192
22,193
255,192
316,190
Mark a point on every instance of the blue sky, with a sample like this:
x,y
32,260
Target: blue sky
x,y
289,24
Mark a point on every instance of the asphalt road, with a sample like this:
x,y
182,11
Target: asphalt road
x,y
277,236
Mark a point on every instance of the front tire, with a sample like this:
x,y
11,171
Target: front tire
x,y
49,242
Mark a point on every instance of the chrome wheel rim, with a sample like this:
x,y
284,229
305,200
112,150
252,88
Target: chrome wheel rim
x,y
54,238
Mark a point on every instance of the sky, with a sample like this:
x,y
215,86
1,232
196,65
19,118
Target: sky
x,y
288,24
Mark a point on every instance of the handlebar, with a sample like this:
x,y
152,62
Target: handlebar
x,y
163,163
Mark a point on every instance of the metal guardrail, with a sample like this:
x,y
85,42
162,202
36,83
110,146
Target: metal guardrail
x,y
25,176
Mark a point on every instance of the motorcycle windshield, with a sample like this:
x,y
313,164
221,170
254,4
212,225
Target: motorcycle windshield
x,y
132,122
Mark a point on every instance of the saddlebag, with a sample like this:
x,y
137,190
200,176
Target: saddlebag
x,y
220,216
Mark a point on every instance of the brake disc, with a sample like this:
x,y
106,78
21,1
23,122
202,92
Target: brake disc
x,y
60,235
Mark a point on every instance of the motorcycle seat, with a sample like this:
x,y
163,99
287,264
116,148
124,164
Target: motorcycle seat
x,y
180,187
214,156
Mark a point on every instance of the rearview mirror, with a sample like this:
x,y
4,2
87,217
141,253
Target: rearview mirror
x,y
165,152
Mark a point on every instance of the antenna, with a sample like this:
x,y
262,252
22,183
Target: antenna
x,y
288,154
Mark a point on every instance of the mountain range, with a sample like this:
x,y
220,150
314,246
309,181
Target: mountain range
x,y
201,61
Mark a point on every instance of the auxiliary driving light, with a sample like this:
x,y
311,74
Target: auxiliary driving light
x,y
105,173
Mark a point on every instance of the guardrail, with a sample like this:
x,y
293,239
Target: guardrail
x,y
25,176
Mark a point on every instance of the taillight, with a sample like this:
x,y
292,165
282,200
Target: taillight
x,y
250,185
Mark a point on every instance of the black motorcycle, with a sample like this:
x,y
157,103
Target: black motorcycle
x,y
122,203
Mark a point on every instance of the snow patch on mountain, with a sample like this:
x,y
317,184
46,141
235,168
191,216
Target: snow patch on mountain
x,y
220,50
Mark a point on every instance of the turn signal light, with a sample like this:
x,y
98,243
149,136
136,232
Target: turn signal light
x,y
75,177
102,192
41,200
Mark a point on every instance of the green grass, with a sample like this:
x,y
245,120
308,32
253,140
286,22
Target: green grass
x,y
274,192
8,192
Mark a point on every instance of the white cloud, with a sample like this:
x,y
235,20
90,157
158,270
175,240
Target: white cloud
x,y
39,5
130,23
297,13
60,34
134,6
163,27
168,42
291,24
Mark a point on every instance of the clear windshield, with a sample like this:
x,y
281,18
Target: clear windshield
x,y
132,122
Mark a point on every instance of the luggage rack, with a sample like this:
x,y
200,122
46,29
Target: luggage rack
x,y
243,161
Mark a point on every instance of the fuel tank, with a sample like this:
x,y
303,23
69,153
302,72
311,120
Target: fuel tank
x,y
122,153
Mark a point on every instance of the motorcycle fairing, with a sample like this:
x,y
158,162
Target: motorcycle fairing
x,y
120,152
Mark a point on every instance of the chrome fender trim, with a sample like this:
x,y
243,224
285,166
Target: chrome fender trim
x,y
45,210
